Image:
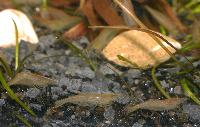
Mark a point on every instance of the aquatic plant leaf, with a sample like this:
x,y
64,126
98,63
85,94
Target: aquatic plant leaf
x,y
156,105
126,60
184,83
139,48
30,79
157,83
82,55
23,120
21,64
17,47
5,65
89,99
13,95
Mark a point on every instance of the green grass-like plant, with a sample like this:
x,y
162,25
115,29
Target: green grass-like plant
x,y
82,55
13,95
11,73
157,83
6,67
17,46
23,120
134,65
190,46
44,4
184,82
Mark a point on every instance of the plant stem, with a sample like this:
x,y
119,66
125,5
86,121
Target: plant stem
x,y
81,55
134,65
6,67
157,83
24,120
44,4
184,83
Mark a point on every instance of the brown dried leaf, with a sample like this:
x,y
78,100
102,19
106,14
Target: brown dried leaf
x,y
90,14
107,12
156,105
127,19
139,48
63,3
89,99
56,19
75,32
30,79
6,4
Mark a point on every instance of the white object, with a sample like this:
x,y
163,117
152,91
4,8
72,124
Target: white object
x,y
7,29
